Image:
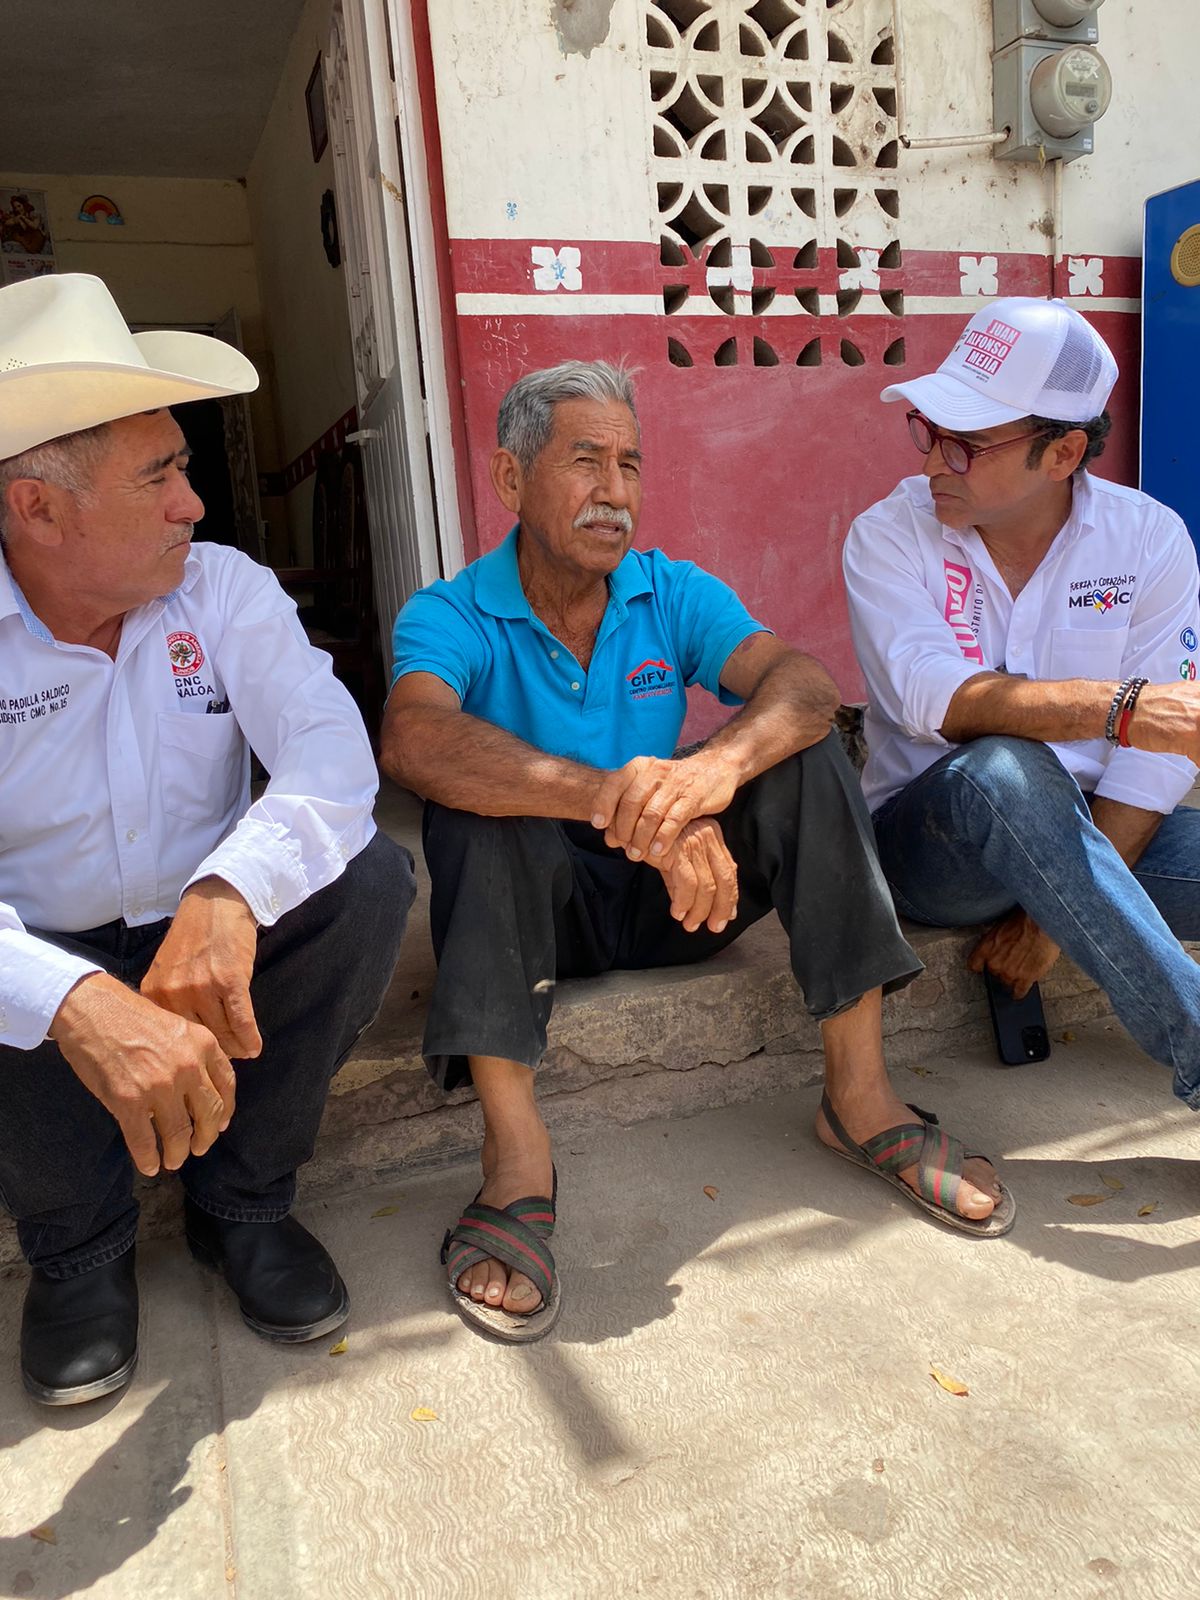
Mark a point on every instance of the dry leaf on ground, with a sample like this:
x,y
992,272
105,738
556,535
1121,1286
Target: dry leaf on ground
x,y
423,1414
1087,1199
1114,1184
710,1191
1149,1210
340,1348
45,1534
385,1211
951,1385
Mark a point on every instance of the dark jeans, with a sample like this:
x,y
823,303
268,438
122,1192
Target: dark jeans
x,y
1000,822
319,978
521,900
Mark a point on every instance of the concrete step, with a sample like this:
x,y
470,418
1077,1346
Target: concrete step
x,y
624,1047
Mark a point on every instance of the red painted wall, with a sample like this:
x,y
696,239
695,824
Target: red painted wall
x,y
755,472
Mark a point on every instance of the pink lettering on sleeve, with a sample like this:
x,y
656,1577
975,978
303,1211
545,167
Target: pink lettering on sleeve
x,y
958,587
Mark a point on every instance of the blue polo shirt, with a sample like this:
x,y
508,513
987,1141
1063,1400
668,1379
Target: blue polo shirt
x,y
667,625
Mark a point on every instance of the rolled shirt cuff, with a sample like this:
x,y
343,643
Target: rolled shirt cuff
x,y
928,694
1147,780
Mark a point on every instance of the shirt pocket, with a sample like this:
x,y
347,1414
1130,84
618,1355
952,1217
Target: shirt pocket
x,y
1080,653
200,760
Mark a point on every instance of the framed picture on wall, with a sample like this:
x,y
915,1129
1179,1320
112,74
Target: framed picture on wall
x,y
314,102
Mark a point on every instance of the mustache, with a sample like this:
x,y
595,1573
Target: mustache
x,y
617,515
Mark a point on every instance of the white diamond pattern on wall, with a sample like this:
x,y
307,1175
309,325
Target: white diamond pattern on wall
x,y
775,154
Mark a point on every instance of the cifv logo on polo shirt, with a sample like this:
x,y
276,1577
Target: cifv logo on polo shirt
x,y
650,679
1102,594
185,653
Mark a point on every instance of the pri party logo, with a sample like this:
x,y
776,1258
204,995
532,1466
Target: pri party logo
x,y
185,654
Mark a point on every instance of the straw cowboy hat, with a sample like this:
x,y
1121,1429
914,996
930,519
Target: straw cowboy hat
x,y
68,362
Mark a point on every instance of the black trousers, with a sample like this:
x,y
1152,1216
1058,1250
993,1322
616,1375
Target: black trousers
x,y
519,900
319,977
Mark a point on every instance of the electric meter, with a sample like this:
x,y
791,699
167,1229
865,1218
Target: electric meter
x,y
1070,89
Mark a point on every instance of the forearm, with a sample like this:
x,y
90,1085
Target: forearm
x,y
1128,828
792,708
471,765
1053,712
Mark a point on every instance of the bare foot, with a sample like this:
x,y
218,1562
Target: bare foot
x,y
979,1190
515,1175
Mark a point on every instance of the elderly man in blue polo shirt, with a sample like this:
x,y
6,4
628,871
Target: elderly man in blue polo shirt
x,y
537,703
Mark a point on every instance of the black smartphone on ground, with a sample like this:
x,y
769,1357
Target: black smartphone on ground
x,y
1019,1025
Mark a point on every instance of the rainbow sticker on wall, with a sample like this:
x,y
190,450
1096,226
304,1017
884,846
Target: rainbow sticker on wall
x,y
99,208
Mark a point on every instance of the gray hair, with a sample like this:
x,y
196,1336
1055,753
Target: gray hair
x,y
68,462
526,418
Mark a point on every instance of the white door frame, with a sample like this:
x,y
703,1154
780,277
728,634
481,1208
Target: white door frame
x,y
411,115
395,243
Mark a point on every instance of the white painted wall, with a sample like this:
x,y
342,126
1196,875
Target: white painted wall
x,y
1146,142
563,136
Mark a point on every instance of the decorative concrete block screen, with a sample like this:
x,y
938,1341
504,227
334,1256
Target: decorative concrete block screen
x,y
774,158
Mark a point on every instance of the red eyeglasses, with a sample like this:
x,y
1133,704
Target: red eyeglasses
x,y
957,453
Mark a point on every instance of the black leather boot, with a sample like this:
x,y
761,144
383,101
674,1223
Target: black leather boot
x,y
285,1281
79,1335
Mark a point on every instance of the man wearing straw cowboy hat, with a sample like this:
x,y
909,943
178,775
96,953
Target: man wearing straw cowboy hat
x,y
181,972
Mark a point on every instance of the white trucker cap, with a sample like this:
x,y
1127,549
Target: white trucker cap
x,y
1019,357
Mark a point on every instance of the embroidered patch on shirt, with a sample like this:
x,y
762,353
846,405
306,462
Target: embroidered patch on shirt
x,y
651,679
1101,594
186,655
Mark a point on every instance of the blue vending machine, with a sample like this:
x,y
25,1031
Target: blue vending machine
x,y
1171,352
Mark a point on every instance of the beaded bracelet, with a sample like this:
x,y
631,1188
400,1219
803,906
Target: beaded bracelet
x,y
1127,712
1114,710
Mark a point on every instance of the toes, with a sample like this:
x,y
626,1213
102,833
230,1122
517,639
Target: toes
x,y
972,1202
489,1283
980,1172
497,1280
484,1282
522,1298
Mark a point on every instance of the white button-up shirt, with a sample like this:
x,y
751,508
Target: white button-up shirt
x,y
123,782
1115,594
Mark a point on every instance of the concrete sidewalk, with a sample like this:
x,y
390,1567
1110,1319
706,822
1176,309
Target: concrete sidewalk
x,y
737,1402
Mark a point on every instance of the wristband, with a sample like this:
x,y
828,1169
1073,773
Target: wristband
x,y
1114,710
1123,729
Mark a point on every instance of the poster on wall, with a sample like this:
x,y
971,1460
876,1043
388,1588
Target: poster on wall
x,y
26,247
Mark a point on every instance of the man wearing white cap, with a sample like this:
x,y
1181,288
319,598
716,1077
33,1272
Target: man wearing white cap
x,y
166,948
1029,638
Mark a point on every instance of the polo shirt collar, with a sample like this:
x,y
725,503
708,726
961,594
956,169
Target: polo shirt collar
x,y
498,588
